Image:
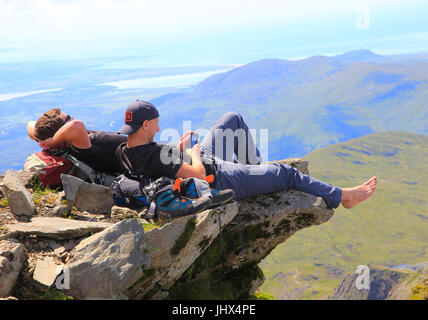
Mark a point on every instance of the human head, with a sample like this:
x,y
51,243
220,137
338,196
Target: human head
x,y
48,124
140,115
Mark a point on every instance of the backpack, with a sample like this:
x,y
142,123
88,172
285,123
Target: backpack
x,y
50,166
163,196
129,192
87,173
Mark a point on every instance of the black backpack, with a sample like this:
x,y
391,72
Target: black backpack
x,y
163,196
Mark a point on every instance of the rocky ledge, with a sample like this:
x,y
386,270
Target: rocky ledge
x,y
56,242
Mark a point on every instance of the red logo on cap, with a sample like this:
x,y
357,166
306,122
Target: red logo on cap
x,y
128,116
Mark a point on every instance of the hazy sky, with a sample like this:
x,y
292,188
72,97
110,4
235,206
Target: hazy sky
x,y
202,31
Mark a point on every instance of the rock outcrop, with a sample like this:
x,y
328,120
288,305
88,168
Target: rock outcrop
x,y
87,196
19,199
12,258
211,255
105,265
56,228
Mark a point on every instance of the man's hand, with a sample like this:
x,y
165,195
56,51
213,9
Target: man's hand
x,y
196,169
184,140
195,151
47,144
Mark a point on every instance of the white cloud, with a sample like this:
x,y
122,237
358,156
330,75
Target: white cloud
x,y
102,23
154,17
13,8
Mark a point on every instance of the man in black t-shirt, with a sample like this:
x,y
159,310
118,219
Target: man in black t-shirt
x,y
57,130
248,177
144,156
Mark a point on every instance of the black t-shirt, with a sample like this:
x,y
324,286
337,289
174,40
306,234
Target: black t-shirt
x,y
101,155
157,160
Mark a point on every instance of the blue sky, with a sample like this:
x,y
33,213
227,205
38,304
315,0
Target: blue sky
x,y
202,31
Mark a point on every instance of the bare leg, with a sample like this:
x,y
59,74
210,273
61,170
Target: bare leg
x,y
352,196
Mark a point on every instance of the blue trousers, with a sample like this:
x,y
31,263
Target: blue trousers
x,y
247,176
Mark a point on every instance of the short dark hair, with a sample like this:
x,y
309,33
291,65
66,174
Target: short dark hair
x,y
48,124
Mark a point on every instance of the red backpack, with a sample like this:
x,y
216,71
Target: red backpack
x,y
50,167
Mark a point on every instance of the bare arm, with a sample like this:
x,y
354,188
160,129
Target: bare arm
x,y
73,132
196,169
30,130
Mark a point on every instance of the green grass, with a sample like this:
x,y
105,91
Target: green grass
x,y
40,191
150,226
420,291
33,293
184,237
259,295
388,229
4,203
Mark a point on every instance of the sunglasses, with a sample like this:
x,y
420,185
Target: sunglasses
x,y
68,118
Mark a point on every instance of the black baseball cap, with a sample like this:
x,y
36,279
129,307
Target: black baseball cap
x,y
136,113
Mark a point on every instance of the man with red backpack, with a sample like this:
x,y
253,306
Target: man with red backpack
x,y
57,130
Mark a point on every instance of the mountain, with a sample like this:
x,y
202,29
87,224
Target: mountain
x,y
311,103
358,55
305,104
389,229
385,284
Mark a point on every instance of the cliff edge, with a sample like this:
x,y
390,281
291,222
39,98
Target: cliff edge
x,y
112,253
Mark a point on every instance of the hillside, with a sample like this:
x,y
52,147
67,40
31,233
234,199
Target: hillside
x,y
389,229
399,283
310,103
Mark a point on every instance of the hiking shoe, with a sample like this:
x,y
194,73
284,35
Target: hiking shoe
x,y
221,196
188,189
170,204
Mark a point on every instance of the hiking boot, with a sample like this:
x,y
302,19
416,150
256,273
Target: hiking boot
x,y
170,204
188,189
221,196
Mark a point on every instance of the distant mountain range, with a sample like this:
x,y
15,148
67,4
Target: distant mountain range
x,y
305,104
390,229
310,103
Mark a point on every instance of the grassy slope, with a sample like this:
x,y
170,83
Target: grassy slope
x,y
388,229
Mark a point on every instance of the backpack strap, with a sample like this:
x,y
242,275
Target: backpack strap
x,y
84,171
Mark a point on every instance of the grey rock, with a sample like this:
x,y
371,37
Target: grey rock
x,y
45,273
19,199
69,245
265,221
12,258
59,210
299,164
25,177
168,259
11,298
120,213
87,196
104,265
53,244
57,228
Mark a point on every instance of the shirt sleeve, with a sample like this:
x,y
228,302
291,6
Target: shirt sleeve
x,y
170,161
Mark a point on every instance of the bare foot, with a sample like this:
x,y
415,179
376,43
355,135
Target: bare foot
x,y
353,196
